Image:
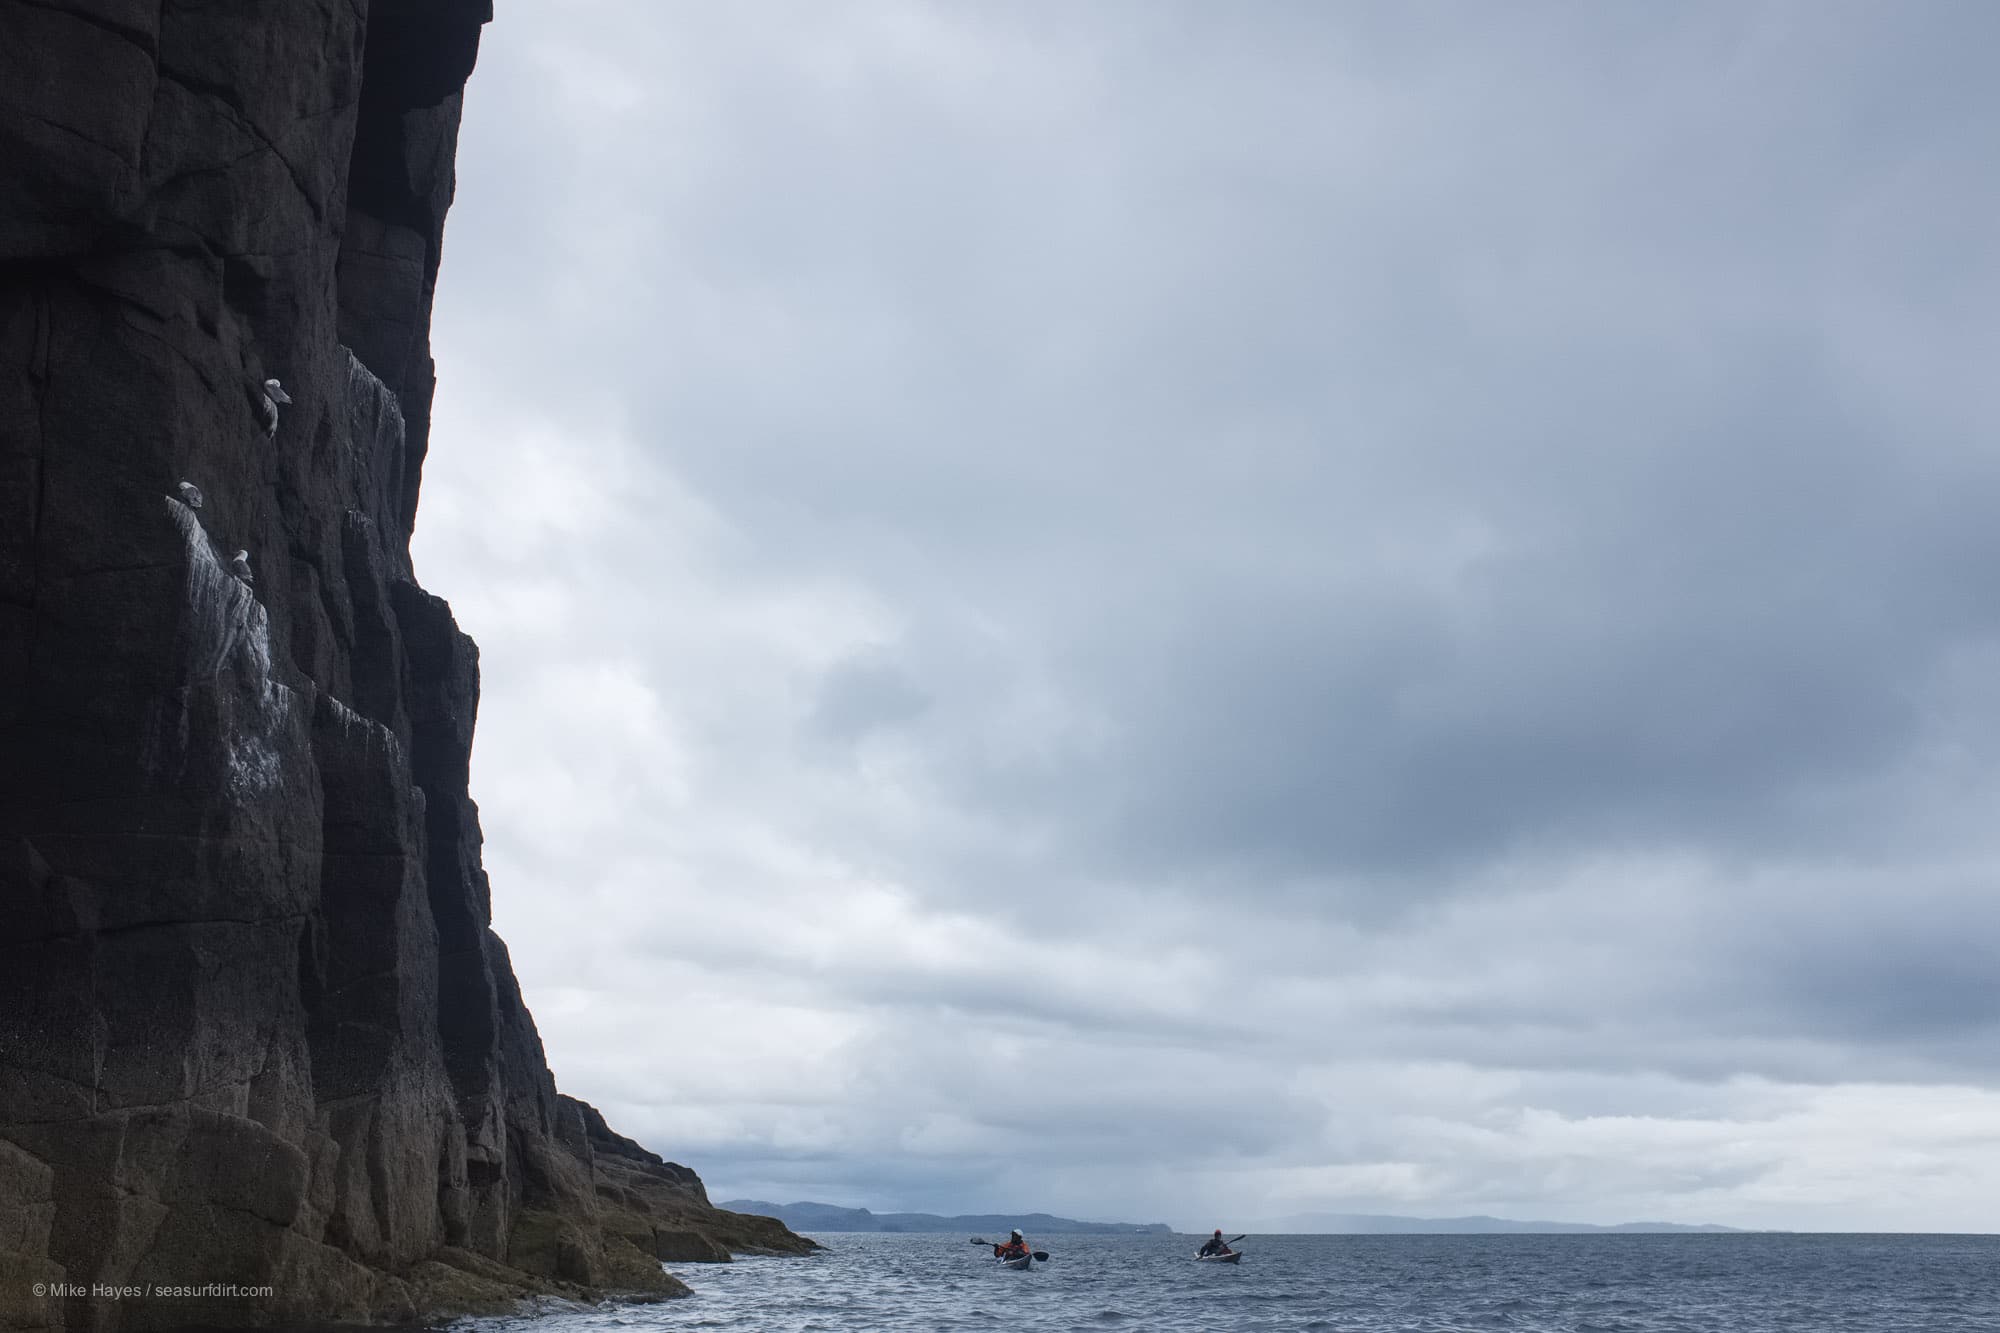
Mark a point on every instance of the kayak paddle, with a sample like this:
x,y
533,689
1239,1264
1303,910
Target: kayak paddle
x,y
1042,1255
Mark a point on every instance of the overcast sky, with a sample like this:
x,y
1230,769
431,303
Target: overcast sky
x,y
1200,612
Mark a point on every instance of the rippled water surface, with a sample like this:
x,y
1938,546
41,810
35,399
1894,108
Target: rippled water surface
x,y
1410,1284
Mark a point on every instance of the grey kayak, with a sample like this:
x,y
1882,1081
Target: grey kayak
x,y
1229,1258
1023,1263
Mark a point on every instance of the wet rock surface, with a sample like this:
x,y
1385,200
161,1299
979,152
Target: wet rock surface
x,y
255,1025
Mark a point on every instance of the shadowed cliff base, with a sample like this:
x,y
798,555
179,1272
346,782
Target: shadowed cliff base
x,y
256,1030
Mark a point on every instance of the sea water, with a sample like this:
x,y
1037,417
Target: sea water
x,y
1709,1283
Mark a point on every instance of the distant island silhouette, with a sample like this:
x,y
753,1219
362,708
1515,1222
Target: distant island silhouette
x,y
1381,1224
810,1217
830,1217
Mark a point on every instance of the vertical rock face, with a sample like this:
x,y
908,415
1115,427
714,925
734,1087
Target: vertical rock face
x,y
255,1026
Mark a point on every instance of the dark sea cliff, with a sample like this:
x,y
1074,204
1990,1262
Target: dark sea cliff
x,y
258,1040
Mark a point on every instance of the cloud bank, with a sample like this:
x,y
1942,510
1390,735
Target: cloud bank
x,y
1151,611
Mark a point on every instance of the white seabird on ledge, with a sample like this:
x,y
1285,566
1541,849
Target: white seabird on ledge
x,y
274,394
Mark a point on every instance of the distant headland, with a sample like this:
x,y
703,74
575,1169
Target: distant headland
x,y
808,1217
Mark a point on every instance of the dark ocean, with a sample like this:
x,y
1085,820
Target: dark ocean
x,y
1744,1283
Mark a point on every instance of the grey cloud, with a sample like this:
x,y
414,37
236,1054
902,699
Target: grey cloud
x,y
1267,540
861,696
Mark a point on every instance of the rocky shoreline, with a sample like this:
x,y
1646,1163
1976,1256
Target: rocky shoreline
x,y
256,1030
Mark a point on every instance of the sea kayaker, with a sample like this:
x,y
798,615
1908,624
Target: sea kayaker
x,y
1016,1246
1215,1245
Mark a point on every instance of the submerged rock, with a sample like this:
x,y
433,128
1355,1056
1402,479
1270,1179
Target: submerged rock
x,y
255,1027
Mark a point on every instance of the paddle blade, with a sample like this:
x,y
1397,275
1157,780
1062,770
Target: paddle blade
x,y
1042,1255
977,1241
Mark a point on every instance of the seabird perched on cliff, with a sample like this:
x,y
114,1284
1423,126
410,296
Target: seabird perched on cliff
x,y
274,394
240,567
190,494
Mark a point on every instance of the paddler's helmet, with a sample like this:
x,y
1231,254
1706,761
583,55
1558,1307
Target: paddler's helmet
x,y
1218,1231
1017,1233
